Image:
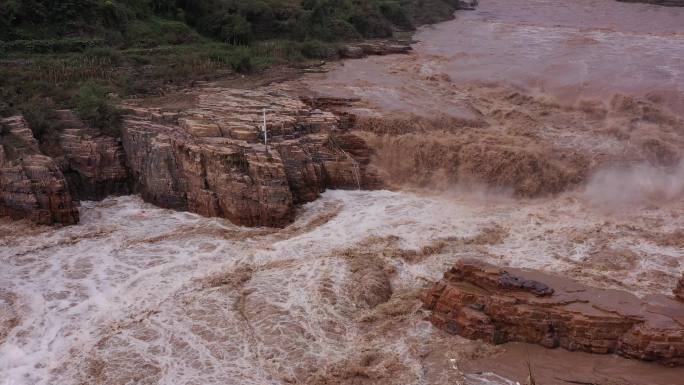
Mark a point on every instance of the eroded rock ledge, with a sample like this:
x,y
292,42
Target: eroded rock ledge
x,y
202,152
209,157
480,301
32,185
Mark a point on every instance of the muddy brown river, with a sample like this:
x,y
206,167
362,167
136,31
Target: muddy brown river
x,y
571,50
594,89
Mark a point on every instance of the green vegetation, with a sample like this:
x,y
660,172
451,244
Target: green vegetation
x,y
83,54
144,22
93,106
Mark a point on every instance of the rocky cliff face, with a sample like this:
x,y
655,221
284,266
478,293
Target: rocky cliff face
x,y
484,302
32,186
94,164
206,156
43,181
209,157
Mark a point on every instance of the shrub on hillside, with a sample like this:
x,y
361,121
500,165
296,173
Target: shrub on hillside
x,y
154,31
315,49
94,106
41,117
240,60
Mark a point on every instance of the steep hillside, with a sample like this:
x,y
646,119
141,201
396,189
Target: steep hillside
x,y
149,22
83,54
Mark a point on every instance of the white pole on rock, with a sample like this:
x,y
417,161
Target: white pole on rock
x,y
265,131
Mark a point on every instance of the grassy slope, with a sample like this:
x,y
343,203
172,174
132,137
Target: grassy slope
x,y
126,47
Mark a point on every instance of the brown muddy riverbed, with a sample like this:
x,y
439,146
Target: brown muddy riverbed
x,y
582,99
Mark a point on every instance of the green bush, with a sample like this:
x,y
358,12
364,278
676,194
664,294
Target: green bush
x,y
316,49
154,31
41,117
397,15
241,60
92,104
235,29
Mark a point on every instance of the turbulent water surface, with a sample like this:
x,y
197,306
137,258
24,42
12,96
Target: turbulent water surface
x,y
135,294
141,294
572,50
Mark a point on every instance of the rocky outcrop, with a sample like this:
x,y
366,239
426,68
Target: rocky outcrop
x,y
206,157
468,4
176,170
679,290
375,48
42,181
481,301
93,164
32,185
209,158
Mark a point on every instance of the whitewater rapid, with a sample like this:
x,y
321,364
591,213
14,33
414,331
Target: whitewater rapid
x,y
135,294
569,50
127,288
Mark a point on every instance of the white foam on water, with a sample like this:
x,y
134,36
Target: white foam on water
x,y
124,287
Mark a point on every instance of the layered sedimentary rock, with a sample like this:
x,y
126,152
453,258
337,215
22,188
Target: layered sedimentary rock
x,y
210,157
377,48
481,301
207,156
94,164
32,185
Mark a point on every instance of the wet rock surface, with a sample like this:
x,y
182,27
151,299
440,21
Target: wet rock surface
x,y
32,186
209,157
93,164
481,301
375,48
205,155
